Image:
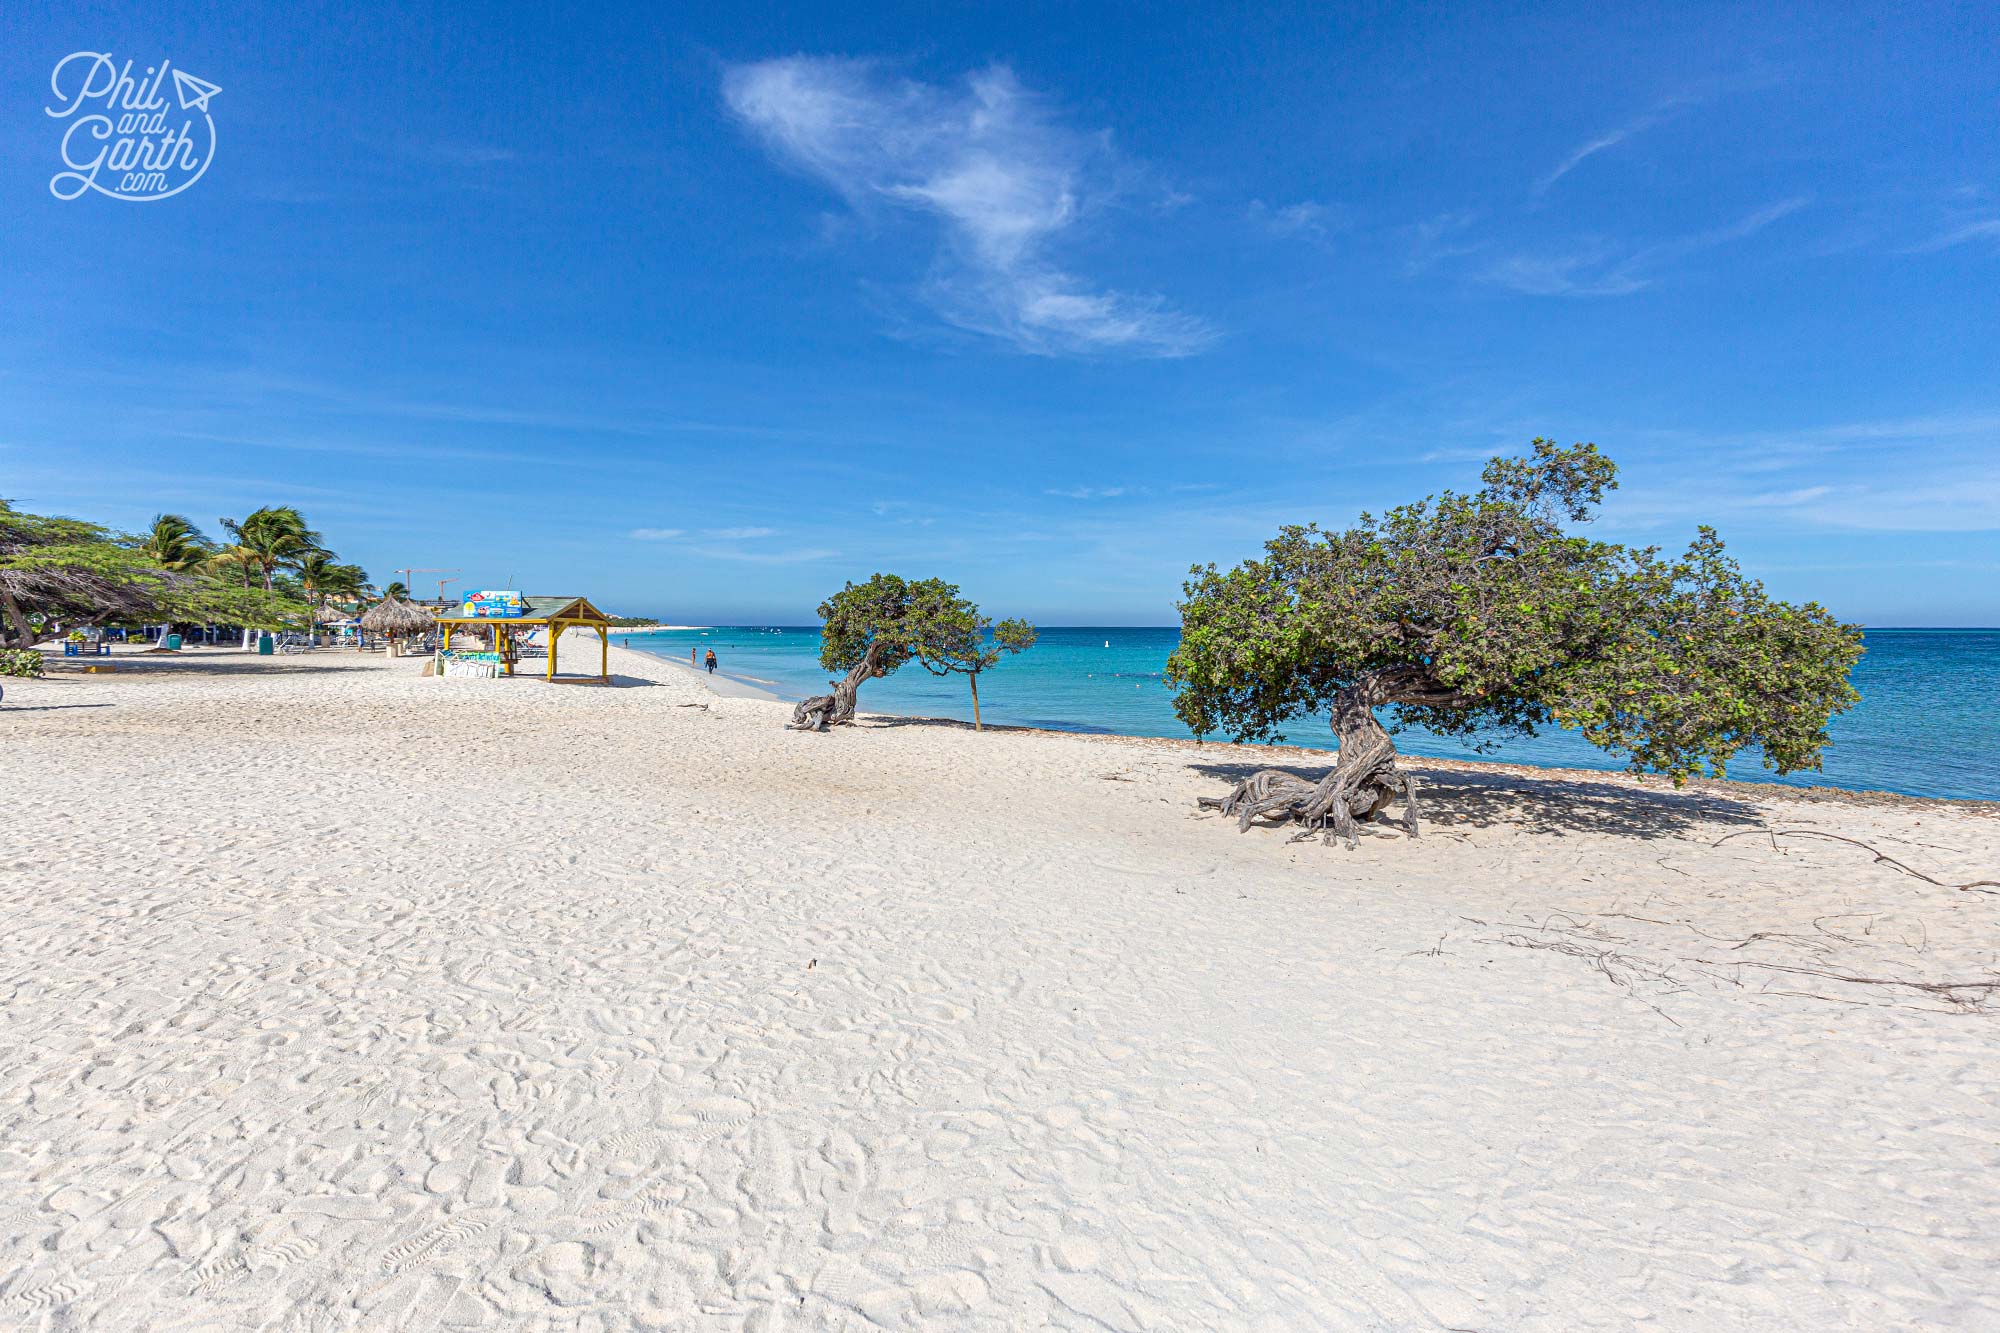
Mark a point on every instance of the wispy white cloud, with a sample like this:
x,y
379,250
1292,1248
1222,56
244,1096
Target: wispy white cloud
x,y
722,544
1088,492
1439,239
990,164
1698,93
762,557
1984,229
1935,474
1306,219
1596,267
1592,268
706,534
1590,148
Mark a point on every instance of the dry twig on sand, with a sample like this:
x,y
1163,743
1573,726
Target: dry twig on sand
x,y
1974,886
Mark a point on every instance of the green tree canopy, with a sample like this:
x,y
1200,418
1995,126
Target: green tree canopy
x,y
68,570
870,630
64,569
1483,615
956,640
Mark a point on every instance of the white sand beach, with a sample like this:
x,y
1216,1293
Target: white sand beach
x,y
338,998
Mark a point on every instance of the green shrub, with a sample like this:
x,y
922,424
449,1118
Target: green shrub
x,y
20,662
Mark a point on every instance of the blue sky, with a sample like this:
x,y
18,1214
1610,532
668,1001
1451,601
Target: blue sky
x,y
703,311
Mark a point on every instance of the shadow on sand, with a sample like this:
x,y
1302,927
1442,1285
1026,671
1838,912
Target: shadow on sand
x,y
206,664
885,720
1457,798
44,708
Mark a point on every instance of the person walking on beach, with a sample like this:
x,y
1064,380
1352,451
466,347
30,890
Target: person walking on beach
x,y
710,661
691,661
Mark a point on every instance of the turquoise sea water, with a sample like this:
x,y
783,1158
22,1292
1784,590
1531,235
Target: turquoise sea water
x,y
1927,723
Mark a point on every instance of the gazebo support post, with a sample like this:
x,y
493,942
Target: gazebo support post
x,y
555,636
603,655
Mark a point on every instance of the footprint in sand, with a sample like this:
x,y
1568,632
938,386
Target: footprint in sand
x,y
772,1180
429,1244
721,1115
281,1254
216,1275
46,1294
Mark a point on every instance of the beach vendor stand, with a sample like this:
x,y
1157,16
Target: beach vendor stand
x,y
506,614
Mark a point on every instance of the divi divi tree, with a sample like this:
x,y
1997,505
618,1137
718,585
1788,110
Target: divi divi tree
x,y
1478,616
870,630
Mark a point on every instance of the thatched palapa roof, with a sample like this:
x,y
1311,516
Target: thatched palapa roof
x,y
393,615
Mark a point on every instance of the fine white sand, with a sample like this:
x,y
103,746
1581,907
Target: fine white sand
x,y
332,997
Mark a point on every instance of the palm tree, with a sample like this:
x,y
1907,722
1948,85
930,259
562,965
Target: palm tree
x,y
275,537
272,538
321,578
350,584
398,591
324,581
176,544
239,558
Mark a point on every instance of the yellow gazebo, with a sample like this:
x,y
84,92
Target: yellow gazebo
x,y
554,614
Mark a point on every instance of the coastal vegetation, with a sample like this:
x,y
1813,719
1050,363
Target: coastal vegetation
x,y
23,662
1483,615
872,629
71,572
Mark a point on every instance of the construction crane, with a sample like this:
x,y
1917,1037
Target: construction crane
x,y
441,582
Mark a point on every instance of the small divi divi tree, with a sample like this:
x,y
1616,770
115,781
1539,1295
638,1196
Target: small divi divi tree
x,y
960,641
872,629
1478,616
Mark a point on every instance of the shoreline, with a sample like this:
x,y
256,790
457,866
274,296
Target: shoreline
x,y
720,683
726,686
1323,757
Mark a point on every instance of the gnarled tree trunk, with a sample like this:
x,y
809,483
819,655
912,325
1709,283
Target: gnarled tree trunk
x,y
15,631
1364,780
823,711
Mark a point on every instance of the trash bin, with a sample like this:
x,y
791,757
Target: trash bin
x,y
264,645
174,642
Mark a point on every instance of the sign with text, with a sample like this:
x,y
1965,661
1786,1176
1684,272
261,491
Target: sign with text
x,y
495,605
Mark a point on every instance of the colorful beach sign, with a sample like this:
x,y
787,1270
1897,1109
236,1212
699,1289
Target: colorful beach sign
x,y
495,605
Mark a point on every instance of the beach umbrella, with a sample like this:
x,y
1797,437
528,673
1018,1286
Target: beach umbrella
x,y
394,616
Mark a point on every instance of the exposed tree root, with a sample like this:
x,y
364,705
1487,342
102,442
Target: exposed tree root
x,y
1334,806
814,714
1364,780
